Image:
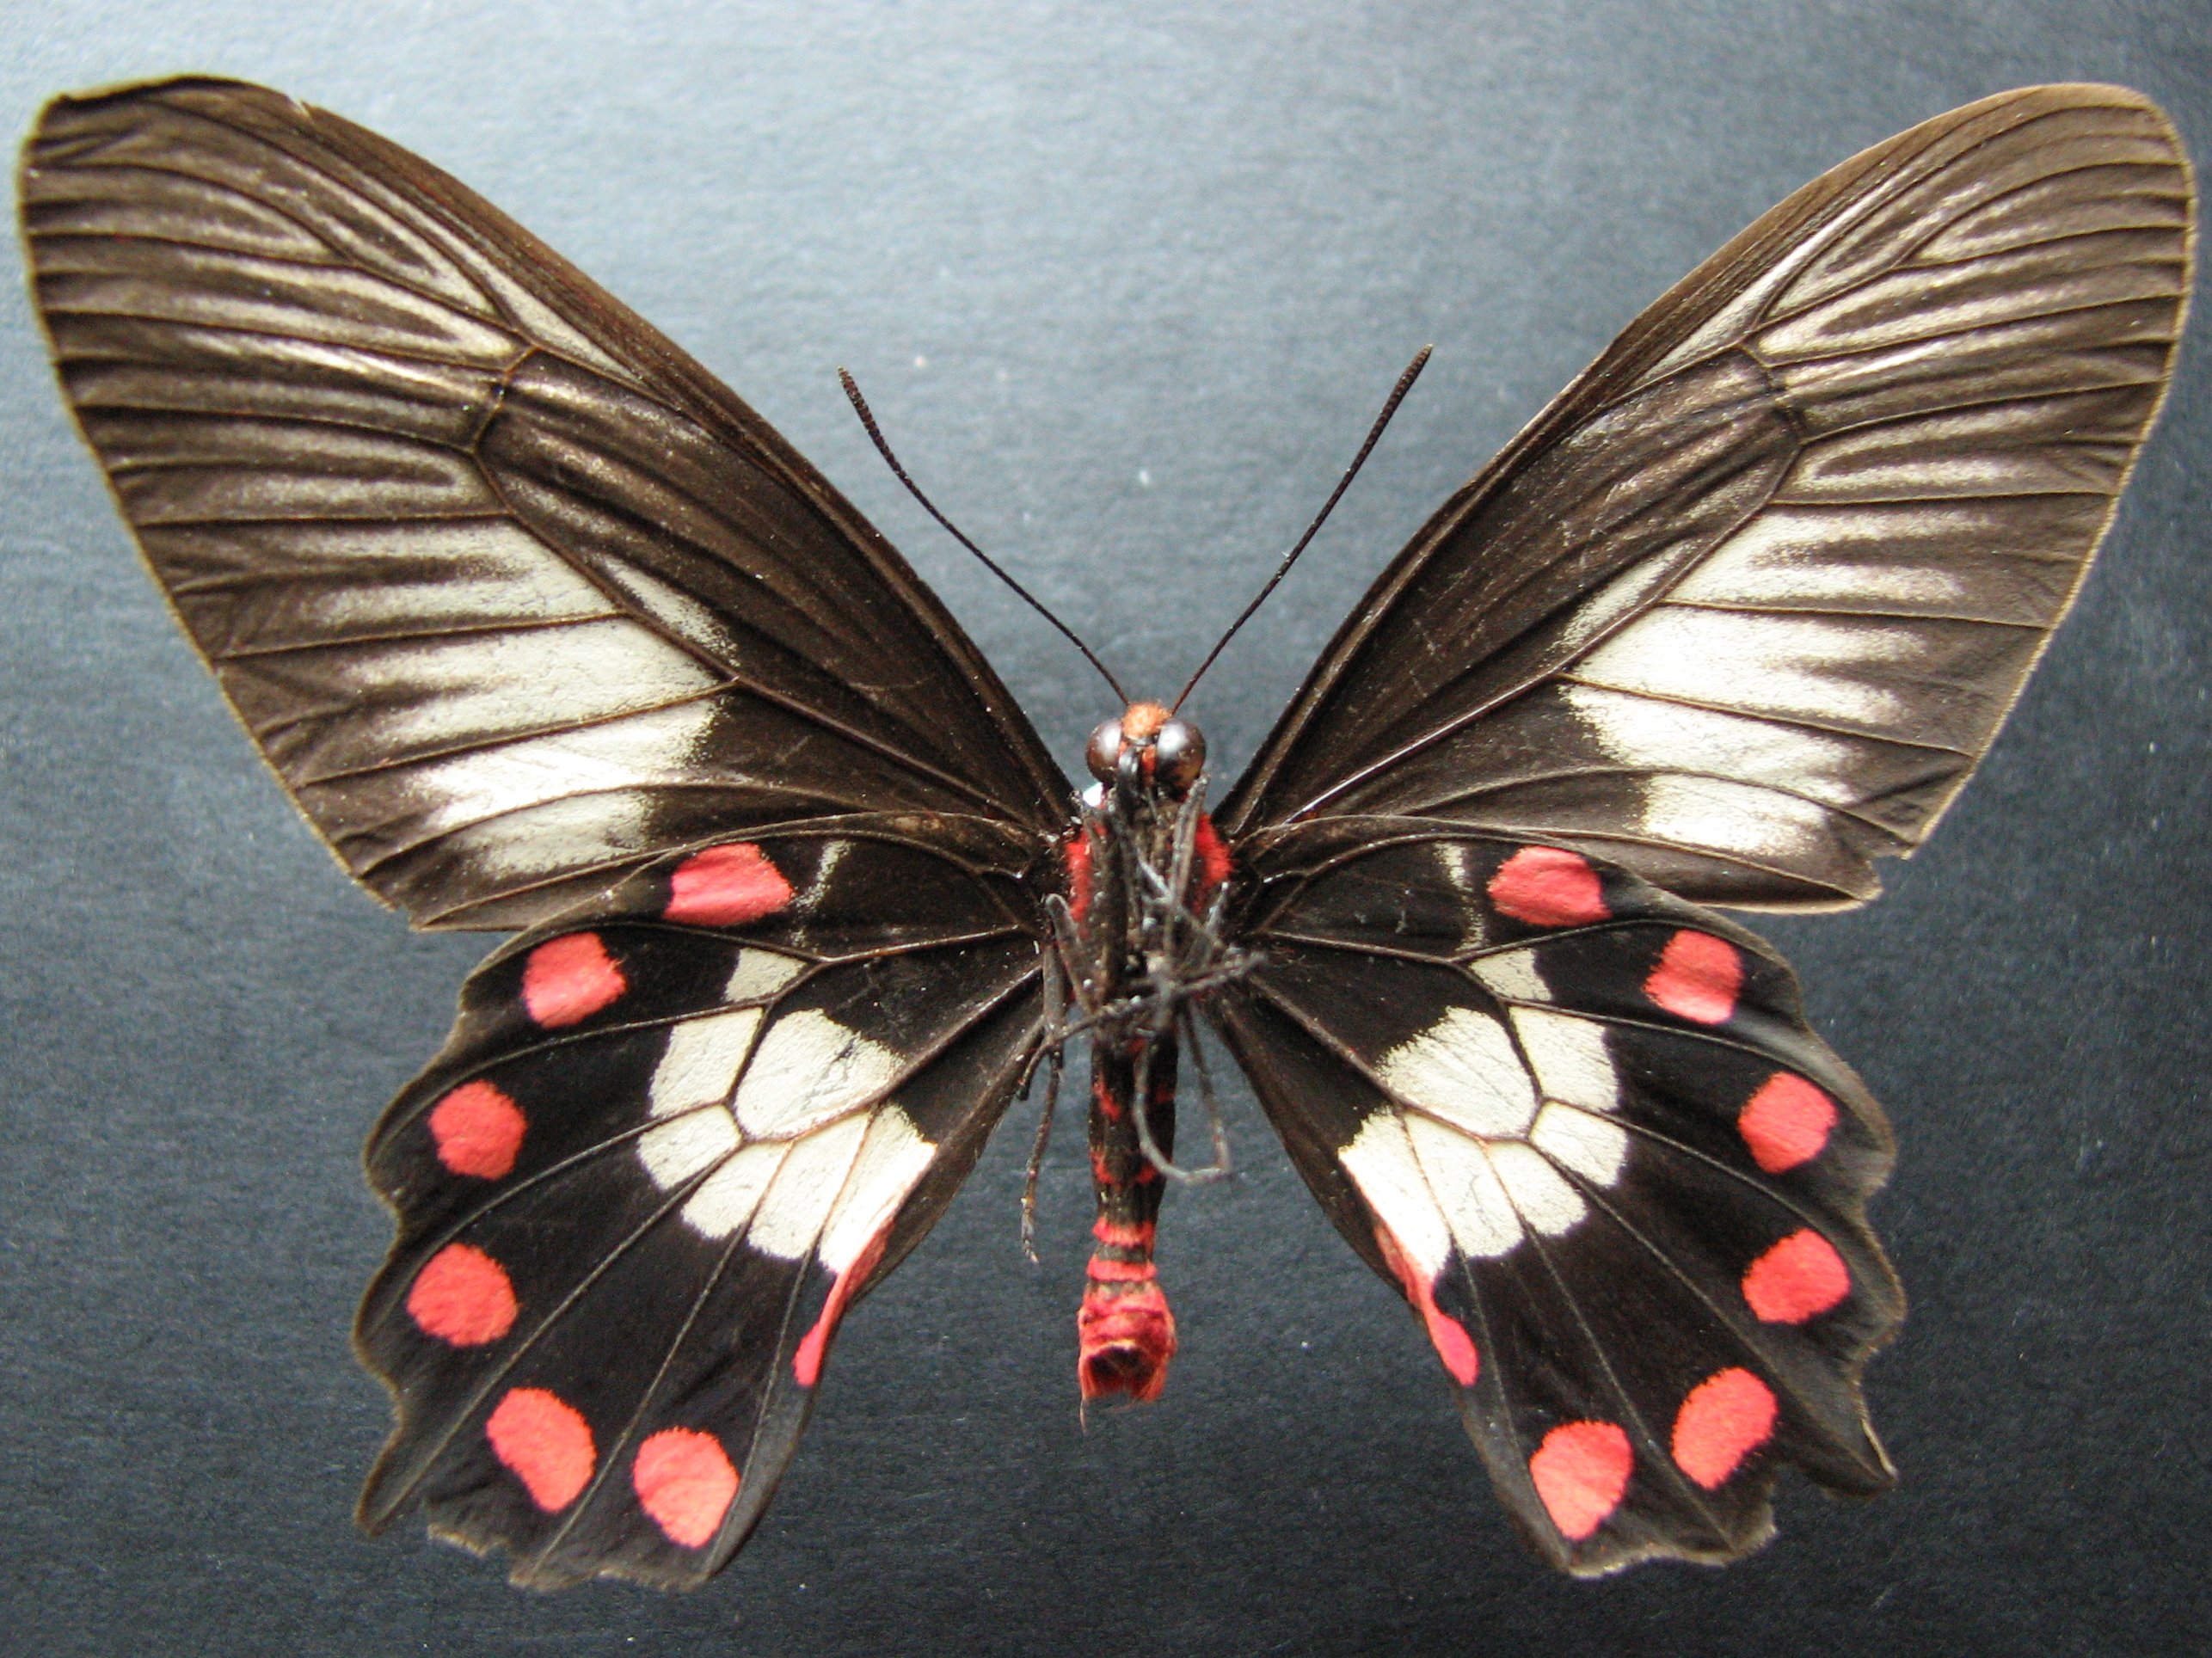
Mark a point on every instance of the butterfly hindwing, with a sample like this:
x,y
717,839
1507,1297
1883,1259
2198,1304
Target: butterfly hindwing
x,y
1584,1128
1744,607
511,593
674,1137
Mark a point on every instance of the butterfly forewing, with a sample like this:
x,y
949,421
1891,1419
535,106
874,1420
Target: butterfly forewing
x,y
1585,1129
1744,608
512,595
674,1135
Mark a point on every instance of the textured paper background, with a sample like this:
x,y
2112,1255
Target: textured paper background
x,y
1125,285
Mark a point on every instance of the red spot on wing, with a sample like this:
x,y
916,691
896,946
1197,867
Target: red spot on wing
x,y
1697,977
1786,1122
1580,1471
544,1442
478,1130
461,1296
1549,887
1446,1334
1727,1417
1798,1278
686,1483
813,1346
567,980
726,887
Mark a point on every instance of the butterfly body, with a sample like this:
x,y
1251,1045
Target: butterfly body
x,y
546,631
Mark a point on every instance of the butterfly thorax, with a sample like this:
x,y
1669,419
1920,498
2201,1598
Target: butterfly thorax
x,y
1140,942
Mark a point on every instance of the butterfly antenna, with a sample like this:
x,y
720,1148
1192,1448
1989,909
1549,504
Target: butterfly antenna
x,y
883,448
1375,436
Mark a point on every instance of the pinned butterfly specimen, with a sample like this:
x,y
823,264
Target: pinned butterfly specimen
x,y
546,631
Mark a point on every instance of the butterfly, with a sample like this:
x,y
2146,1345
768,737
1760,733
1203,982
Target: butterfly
x,y
546,632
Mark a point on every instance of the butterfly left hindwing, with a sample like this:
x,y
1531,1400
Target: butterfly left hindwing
x,y
674,1135
1585,1129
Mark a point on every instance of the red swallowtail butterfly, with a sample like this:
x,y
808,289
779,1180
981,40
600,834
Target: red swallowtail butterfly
x,y
545,630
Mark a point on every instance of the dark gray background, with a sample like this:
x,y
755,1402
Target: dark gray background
x,y
1126,288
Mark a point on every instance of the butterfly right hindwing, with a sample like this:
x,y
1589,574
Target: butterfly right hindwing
x,y
1585,1129
674,1137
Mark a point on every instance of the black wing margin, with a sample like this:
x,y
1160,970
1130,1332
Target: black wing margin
x,y
513,596
1743,609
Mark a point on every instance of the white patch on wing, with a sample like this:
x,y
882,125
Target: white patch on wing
x,y
1463,1069
1571,1060
1671,737
1790,664
759,974
804,1188
479,687
701,1062
1732,817
594,768
1539,1193
674,1150
1381,1164
726,1198
1512,975
1803,560
1593,1147
690,1089
892,1158
807,1070
1466,1186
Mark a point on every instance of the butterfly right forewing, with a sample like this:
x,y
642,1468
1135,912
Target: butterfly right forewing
x,y
1743,609
512,595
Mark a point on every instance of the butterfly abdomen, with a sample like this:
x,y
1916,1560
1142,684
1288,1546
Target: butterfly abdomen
x,y
1126,1332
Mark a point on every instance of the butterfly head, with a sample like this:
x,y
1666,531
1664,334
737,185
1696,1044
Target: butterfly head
x,y
1147,743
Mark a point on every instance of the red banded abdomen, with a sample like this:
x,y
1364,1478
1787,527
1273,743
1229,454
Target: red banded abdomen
x,y
1125,1333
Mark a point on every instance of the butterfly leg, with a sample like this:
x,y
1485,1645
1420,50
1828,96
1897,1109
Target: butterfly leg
x,y
1054,1054
1126,1333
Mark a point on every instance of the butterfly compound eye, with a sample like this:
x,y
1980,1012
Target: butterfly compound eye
x,y
1103,753
1178,755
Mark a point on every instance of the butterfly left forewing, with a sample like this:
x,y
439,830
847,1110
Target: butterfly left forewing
x,y
1584,1128
674,1135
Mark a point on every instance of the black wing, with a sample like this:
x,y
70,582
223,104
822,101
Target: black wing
x,y
673,1139
513,594
1744,608
1584,1128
